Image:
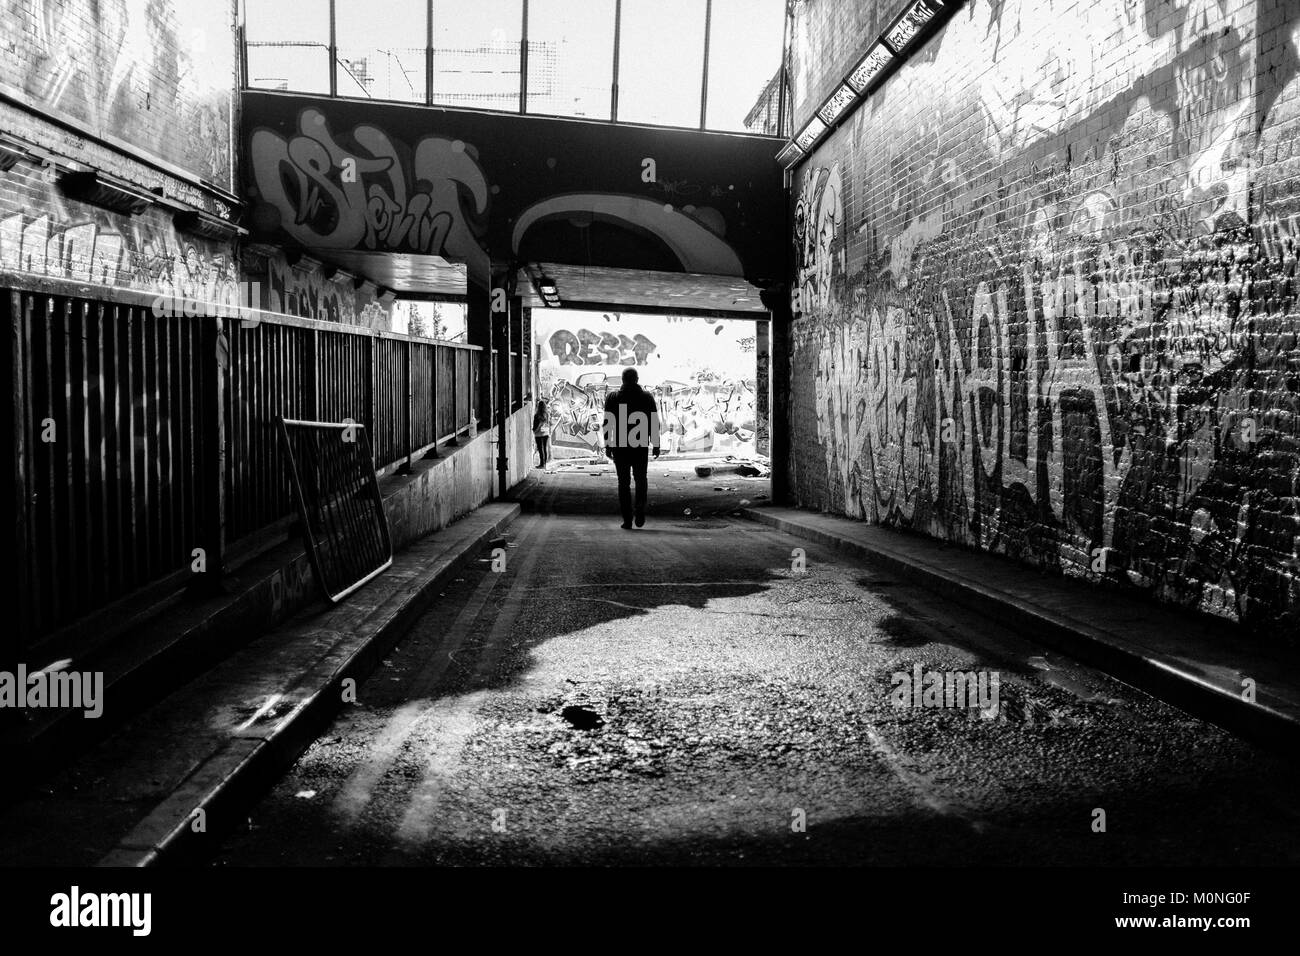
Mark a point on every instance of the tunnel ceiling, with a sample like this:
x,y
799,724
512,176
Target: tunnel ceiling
x,y
581,287
341,178
404,272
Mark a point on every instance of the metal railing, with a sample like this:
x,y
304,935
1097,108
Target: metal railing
x,y
145,444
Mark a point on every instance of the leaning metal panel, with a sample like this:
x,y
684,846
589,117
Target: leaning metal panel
x,y
343,518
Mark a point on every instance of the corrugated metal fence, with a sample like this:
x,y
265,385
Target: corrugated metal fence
x,y
145,443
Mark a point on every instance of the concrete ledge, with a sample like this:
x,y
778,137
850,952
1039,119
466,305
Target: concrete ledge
x,y
299,672
1192,661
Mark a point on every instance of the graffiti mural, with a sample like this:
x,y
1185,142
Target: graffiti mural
x,y
306,292
586,347
707,415
695,236
370,196
84,244
818,221
331,174
1042,340
576,410
158,74
699,370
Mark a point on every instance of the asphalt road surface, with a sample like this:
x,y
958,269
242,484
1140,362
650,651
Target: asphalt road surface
x,y
692,693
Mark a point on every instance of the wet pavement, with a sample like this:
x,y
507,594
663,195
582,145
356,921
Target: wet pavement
x,y
708,690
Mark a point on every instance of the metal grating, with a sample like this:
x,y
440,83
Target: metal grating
x,y
333,477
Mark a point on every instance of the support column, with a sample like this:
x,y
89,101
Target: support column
x,y
778,303
478,331
501,308
762,384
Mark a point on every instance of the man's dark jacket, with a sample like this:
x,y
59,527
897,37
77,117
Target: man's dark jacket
x,y
621,430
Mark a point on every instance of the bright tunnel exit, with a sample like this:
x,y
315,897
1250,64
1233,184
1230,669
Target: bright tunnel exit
x,y
708,376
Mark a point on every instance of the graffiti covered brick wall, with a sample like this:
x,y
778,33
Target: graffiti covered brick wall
x,y
157,76
47,234
1045,300
701,371
140,92
302,289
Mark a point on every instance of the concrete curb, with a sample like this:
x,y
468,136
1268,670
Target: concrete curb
x,y
1265,725
233,776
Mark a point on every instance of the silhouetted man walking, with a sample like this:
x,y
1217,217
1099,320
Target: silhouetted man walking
x,y
631,430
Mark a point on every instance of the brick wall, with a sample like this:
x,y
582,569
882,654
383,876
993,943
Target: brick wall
x,y
826,40
1045,291
45,233
307,288
160,77
140,92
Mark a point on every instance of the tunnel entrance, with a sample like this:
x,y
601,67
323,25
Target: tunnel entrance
x,y
708,375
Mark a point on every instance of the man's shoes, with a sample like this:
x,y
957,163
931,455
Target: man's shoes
x,y
640,521
627,525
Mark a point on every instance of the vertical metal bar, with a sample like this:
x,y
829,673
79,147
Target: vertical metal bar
x,y
704,79
274,390
618,38
241,407
97,497
334,53
285,394
502,398
50,571
410,402
130,526
428,52
149,425
80,509
189,423
387,374
266,434
312,409
523,61
166,498
455,401
236,478
345,398
69,435
780,99
433,351
256,354
183,425
372,404
251,501
20,344
112,497
212,361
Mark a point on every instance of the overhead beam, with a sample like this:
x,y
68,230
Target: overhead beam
x,y
748,315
